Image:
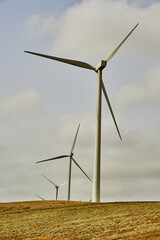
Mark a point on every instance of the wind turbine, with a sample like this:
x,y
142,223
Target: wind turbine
x,y
56,186
98,69
70,162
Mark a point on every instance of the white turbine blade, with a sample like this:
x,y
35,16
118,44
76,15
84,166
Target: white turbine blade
x,y
49,180
116,49
50,159
74,142
63,184
81,169
68,61
40,197
110,108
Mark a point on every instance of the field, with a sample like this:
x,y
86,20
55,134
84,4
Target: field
x,y
48,220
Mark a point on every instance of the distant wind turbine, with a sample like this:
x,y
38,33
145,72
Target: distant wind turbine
x,y
98,69
56,186
70,163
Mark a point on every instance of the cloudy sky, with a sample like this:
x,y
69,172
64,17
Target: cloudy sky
x,y
43,101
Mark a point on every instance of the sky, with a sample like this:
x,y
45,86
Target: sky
x,y
43,101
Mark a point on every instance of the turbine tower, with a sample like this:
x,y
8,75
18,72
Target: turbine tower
x,y
70,163
98,69
56,186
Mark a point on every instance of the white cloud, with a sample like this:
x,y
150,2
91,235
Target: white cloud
x,y
102,26
93,28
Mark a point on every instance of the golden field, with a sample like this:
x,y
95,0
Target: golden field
x,y
48,220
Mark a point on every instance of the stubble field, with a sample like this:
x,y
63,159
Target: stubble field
x,y
48,220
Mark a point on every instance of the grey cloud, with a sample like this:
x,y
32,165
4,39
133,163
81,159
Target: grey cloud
x,y
38,26
141,93
24,103
142,3
123,165
131,189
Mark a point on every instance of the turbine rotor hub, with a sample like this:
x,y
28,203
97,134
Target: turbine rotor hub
x,y
101,65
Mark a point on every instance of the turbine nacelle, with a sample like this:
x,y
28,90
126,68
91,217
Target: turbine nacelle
x,y
101,65
55,185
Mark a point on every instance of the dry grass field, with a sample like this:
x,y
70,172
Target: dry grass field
x,y
48,220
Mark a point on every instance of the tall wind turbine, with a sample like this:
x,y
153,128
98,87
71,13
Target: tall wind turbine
x,y
98,69
56,186
70,163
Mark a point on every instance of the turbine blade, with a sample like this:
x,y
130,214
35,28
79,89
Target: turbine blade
x,y
49,180
81,168
40,197
116,49
74,142
63,184
50,159
110,108
64,60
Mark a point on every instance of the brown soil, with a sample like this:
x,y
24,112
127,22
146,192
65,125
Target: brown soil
x,y
60,220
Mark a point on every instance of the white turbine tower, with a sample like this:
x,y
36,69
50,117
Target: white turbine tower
x,y
55,185
70,163
98,69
